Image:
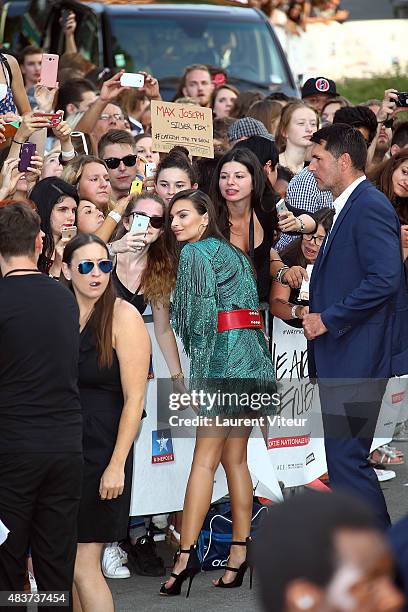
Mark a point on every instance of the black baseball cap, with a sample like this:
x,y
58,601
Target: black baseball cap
x,y
319,85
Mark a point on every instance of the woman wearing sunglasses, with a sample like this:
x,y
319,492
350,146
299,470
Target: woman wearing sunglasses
x,y
113,368
145,276
284,302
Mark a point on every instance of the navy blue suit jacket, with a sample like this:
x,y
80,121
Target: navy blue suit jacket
x,y
358,286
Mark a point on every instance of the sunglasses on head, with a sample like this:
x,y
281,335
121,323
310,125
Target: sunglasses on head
x,y
86,266
114,162
156,222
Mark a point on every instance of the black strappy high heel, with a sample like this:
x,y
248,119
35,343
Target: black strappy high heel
x,y
192,569
240,571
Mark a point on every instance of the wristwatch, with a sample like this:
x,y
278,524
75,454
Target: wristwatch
x,y
294,315
302,225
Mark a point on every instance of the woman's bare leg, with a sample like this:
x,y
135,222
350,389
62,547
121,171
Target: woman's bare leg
x,y
234,461
207,456
92,589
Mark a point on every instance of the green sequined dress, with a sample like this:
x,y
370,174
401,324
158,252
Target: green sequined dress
x,y
213,276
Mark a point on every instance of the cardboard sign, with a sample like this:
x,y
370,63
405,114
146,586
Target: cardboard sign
x,y
186,125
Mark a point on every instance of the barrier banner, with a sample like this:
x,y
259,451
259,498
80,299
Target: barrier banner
x,y
392,407
160,475
295,440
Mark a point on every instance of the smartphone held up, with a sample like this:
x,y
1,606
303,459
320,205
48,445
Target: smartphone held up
x,y
68,233
132,79
27,150
49,70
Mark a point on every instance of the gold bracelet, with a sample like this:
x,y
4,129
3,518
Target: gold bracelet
x,y
178,376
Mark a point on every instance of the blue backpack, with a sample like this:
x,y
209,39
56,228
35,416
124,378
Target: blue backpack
x,y
216,535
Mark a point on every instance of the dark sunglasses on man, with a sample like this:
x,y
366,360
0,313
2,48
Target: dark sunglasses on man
x,y
156,222
114,162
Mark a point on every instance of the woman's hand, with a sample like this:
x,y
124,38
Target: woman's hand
x,y
70,24
288,222
112,88
149,183
34,170
121,204
301,311
62,131
130,243
404,236
29,124
60,246
151,87
294,276
10,177
112,482
45,97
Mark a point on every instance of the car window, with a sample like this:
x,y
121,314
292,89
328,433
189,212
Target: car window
x,y
164,46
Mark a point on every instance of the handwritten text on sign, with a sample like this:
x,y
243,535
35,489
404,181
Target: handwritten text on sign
x,y
182,124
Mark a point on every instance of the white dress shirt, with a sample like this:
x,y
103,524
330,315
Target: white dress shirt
x,y
340,202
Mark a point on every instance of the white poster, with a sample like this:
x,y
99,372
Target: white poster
x,y
3,532
296,444
393,405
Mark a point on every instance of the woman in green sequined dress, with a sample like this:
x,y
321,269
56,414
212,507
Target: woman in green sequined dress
x,y
214,277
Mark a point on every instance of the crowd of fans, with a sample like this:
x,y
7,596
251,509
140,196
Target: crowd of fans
x,y
295,15
92,141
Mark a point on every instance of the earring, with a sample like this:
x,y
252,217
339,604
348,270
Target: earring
x,y
201,231
305,602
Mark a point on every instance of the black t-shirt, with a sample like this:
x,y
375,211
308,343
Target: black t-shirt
x,y
39,351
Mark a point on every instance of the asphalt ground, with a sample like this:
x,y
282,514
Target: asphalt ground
x,y
141,594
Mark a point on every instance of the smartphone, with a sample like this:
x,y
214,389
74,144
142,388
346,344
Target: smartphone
x,y
49,70
53,118
68,233
402,101
136,186
140,224
27,150
132,79
81,143
11,128
281,206
150,169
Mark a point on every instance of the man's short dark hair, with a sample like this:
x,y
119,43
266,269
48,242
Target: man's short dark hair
x,y
296,540
71,92
30,50
357,116
400,135
115,137
339,139
19,227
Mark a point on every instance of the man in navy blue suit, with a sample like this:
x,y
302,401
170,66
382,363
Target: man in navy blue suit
x,y
355,291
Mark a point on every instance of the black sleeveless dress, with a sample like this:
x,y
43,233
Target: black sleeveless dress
x,y
102,402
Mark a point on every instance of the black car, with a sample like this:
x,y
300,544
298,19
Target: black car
x,y
164,38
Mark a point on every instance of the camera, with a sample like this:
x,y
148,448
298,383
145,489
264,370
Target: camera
x,y
402,99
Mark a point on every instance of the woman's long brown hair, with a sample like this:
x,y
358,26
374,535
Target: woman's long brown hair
x,y
159,276
382,175
101,320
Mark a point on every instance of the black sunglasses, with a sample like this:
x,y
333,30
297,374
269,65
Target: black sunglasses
x,y
156,222
86,266
113,162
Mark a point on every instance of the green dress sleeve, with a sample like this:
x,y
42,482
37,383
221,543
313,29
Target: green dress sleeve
x,y
195,313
